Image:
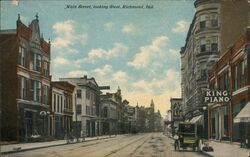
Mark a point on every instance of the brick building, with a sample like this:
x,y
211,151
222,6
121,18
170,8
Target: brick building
x,y
231,73
25,80
61,108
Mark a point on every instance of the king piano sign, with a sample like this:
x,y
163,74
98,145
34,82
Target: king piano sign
x,y
216,96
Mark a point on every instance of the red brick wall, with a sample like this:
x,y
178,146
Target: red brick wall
x,y
9,59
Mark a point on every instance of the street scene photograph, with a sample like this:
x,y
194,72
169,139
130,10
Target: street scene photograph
x,y
124,78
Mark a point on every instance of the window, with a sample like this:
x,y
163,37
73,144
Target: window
x,y
235,77
202,45
88,110
78,109
226,81
54,102
79,93
214,21
242,74
202,22
58,103
35,90
37,62
22,56
87,94
46,95
214,44
105,112
46,69
22,87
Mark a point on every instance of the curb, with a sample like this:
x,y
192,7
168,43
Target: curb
x,y
56,145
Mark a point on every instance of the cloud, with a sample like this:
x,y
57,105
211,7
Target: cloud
x,y
120,77
117,50
15,2
109,26
160,90
67,37
59,61
148,53
129,29
181,26
77,73
104,70
169,82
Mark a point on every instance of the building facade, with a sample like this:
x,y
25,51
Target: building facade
x,y
61,109
231,73
86,116
199,54
109,114
25,61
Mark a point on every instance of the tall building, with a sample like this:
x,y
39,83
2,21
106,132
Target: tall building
x,y
61,108
86,116
25,64
199,54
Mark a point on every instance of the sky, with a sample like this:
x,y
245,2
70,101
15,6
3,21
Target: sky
x,y
136,49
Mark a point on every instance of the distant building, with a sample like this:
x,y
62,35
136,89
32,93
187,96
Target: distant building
x,y
176,112
109,113
61,108
87,106
25,64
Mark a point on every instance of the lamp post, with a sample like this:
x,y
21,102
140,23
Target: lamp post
x,y
205,122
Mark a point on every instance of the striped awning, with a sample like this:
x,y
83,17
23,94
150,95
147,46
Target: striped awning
x,y
243,115
197,119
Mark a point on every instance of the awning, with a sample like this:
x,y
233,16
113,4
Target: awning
x,y
197,119
243,115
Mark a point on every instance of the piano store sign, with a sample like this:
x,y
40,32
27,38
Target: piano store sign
x,y
216,96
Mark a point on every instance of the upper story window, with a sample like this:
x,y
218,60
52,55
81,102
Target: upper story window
x,y
54,103
202,45
242,73
36,62
79,93
78,109
88,94
46,69
214,44
35,90
46,94
235,77
22,58
23,87
214,20
202,21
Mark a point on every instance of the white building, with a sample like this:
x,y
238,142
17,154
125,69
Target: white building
x,y
87,99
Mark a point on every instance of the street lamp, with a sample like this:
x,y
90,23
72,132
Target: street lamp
x,y
205,116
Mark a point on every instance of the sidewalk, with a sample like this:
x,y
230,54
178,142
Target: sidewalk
x,y
12,148
227,149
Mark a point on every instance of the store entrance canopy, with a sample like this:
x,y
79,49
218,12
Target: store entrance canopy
x,y
197,119
243,115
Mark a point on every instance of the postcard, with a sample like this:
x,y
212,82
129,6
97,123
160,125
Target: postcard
x,y
124,78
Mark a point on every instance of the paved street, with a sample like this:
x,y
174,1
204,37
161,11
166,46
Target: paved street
x,y
140,145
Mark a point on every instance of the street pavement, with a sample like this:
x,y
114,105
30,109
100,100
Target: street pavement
x,y
227,149
137,145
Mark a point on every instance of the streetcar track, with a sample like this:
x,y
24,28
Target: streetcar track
x,y
119,149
